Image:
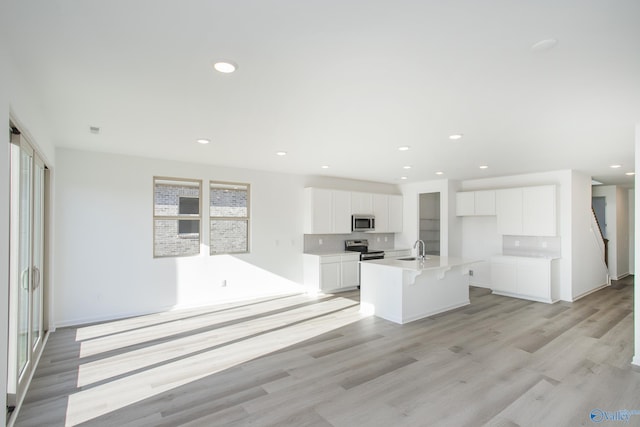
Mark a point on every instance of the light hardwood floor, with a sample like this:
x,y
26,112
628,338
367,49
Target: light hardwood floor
x,y
301,361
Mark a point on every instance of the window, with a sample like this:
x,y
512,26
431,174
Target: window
x,y
229,217
176,217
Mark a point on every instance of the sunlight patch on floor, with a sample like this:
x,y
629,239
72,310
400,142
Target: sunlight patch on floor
x,y
122,363
113,395
150,320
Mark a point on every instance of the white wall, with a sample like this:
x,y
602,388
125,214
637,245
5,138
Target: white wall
x,y
106,199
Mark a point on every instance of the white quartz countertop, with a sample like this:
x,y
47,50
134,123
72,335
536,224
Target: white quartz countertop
x,y
430,263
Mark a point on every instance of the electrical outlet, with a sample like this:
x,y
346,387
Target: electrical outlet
x,y
320,241
386,239
517,243
378,239
224,283
544,245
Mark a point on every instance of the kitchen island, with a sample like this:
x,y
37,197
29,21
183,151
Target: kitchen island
x,y
404,290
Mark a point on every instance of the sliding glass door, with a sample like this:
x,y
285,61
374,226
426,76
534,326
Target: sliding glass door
x,y
26,291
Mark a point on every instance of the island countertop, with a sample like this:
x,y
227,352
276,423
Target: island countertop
x,y
432,262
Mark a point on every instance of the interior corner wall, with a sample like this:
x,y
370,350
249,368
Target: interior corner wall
x,y
4,213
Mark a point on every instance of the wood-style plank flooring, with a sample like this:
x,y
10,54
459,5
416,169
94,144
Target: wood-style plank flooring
x,y
302,361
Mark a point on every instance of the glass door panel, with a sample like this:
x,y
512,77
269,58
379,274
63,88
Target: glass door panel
x,y
24,257
38,253
26,265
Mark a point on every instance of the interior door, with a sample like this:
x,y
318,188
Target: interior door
x,y
26,267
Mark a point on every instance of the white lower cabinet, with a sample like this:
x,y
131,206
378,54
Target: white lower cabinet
x,y
525,277
331,273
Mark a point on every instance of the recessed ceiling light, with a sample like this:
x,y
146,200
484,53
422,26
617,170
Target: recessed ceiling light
x,y
281,153
225,67
630,173
406,167
615,166
94,129
455,136
484,167
324,167
404,177
404,148
203,141
439,173
543,45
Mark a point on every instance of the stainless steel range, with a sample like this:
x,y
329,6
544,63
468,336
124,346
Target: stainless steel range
x,y
362,246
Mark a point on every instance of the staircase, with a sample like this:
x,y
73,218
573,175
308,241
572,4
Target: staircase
x,y
602,242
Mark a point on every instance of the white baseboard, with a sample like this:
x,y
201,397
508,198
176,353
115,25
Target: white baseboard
x,y
636,360
577,297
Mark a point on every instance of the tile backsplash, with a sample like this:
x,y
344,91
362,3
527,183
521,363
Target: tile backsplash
x,y
335,242
532,246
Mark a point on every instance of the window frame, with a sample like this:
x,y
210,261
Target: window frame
x,y
178,217
246,219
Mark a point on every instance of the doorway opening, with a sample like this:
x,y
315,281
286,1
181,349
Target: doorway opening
x,y
430,222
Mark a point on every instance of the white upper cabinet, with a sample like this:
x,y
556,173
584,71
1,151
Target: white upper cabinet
x,y
327,211
381,212
509,211
387,209
472,203
362,203
539,211
485,202
395,214
529,211
465,203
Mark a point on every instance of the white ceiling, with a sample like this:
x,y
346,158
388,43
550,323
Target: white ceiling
x,y
342,83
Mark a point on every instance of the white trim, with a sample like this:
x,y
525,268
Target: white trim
x,y
577,297
636,360
14,415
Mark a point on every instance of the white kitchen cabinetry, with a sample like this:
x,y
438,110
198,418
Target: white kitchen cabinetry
x,y
362,203
475,203
395,214
327,211
381,212
528,211
536,279
331,273
396,253
387,209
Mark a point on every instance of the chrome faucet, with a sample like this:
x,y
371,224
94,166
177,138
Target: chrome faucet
x,y
422,255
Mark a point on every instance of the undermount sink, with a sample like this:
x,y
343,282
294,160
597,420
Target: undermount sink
x,y
412,258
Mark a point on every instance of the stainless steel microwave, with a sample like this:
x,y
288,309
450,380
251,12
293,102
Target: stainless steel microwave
x,y
363,223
